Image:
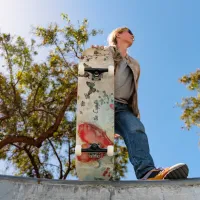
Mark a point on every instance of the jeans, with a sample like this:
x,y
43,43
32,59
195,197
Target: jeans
x,y
133,132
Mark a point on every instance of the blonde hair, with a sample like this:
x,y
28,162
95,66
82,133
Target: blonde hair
x,y
112,38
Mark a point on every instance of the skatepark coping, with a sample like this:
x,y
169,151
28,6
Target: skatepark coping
x,y
23,188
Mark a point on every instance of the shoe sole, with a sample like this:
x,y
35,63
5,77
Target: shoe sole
x,y
179,171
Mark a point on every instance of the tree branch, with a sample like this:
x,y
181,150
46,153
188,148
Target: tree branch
x,y
69,161
33,162
54,127
21,139
4,118
49,133
11,72
34,99
76,54
21,73
66,63
54,150
31,159
42,110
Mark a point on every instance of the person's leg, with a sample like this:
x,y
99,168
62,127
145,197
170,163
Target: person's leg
x,y
133,133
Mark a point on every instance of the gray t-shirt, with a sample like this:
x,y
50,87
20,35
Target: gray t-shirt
x,y
124,86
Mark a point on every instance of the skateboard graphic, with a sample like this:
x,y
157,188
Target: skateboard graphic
x,y
95,116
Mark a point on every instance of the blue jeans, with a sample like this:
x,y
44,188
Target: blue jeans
x,y
133,132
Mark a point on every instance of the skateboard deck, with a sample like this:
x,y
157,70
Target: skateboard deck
x,y
95,115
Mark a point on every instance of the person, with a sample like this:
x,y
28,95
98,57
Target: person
x,y
127,116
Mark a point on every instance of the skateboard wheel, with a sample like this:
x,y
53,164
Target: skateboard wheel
x,y
81,69
111,70
78,150
110,150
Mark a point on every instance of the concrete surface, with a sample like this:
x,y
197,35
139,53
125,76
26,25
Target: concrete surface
x,y
19,188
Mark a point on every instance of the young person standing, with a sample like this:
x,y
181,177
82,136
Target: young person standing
x,y
127,116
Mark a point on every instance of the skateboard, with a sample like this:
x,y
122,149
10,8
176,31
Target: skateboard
x,y
95,116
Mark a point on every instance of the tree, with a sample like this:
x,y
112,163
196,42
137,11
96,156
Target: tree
x,y
38,101
191,105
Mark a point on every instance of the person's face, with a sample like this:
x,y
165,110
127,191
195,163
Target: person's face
x,y
126,37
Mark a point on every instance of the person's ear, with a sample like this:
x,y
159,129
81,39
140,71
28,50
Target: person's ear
x,y
117,35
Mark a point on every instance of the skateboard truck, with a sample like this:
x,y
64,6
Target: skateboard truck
x,y
94,148
96,72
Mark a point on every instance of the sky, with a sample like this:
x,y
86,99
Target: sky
x,y
166,46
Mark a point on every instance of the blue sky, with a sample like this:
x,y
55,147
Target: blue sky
x,y
166,46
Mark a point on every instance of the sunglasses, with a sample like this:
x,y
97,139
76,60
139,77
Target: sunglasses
x,y
130,32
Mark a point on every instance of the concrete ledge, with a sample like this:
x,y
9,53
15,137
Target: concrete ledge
x,y
20,188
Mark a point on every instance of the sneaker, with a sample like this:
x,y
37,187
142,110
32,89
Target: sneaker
x,y
178,171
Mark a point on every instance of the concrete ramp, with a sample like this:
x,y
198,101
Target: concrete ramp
x,y
19,188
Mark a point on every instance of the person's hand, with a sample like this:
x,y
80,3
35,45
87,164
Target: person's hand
x,y
98,47
116,136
